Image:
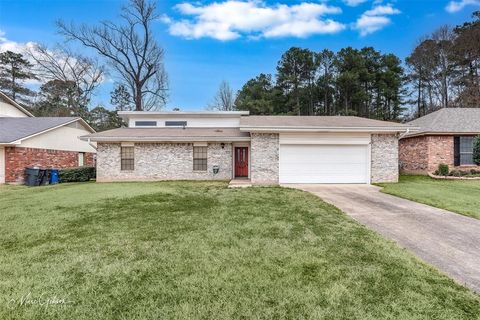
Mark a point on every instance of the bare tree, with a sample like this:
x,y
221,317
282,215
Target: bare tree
x,y
224,100
82,74
131,50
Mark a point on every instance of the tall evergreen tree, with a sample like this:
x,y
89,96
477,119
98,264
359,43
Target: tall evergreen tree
x,y
14,71
121,99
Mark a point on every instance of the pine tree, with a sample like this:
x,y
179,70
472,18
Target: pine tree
x,y
121,98
14,71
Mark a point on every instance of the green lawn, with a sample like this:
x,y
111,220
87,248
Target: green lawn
x,y
461,196
197,250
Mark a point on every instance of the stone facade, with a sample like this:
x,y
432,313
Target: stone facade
x,y
163,161
264,158
384,158
423,154
18,158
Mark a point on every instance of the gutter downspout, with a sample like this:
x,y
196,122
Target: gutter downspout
x,y
91,144
404,134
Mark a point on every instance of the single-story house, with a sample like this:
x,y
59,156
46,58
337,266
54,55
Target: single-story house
x,y
444,137
47,142
235,145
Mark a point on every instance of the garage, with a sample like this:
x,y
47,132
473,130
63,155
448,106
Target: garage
x,y
304,161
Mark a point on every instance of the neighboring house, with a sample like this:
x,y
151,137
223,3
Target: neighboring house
x,y
27,141
264,149
445,137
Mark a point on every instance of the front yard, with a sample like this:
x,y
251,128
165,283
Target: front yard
x,y
197,250
461,196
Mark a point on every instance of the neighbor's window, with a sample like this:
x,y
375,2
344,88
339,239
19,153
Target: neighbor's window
x,y
200,158
466,150
81,159
127,158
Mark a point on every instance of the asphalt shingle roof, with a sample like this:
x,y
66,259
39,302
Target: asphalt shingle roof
x,y
315,121
13,129
167,134
449,120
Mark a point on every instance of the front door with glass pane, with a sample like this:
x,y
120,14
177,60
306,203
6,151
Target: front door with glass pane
x,y
241,162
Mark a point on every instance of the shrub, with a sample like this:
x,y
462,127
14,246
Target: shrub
x,y
456,173
476,151
79,174
443,169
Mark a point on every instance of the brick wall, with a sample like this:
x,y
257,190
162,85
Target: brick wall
x,y
264,158
17,158
384,158
440,150
163,161
413,154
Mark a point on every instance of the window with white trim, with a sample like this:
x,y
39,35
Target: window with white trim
x,y
466,150
200,158
127,158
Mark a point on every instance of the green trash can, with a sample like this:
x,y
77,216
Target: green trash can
x,y
31,176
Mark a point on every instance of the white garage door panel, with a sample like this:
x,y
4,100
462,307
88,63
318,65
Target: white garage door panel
x,y
323,164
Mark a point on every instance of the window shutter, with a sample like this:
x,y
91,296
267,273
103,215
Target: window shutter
x,y
456,151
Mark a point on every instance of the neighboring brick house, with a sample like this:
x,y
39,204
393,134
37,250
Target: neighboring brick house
x,y
445,137
47,142
235,145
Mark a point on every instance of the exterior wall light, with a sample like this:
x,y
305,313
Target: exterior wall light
x,y
222,145
216,169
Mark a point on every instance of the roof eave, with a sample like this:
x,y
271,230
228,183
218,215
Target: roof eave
x,y
324,129
164,139
433,133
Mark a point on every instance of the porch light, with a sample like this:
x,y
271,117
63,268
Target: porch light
x,y
216,168
222,145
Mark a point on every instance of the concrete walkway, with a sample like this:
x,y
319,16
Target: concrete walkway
x,y
446,240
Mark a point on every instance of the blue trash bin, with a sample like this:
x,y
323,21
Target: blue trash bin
x,y
53,176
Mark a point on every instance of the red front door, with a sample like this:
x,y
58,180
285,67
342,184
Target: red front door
x,y
241,162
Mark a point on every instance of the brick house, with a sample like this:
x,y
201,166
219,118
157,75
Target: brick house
x,y
446,136
258,149
47,142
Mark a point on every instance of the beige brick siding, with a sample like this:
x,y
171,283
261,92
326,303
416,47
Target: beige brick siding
x,y
264,158
384,158
163,161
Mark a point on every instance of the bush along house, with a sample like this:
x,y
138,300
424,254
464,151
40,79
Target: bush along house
x,y
261,149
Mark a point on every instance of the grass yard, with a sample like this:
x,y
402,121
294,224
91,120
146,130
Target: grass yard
x,y
461,196
197,250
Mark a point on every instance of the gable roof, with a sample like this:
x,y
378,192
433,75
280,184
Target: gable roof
x,y
325,123
12,102
448,121
14,129
169,134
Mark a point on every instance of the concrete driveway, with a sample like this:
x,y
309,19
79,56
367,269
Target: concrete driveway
x,y
446,240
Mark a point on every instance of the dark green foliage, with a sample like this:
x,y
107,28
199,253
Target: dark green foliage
x,y
121,98
14,71
362,82
102,119
443,169
476,151
80,174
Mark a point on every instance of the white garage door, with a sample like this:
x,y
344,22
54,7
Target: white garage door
x,y
324,164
